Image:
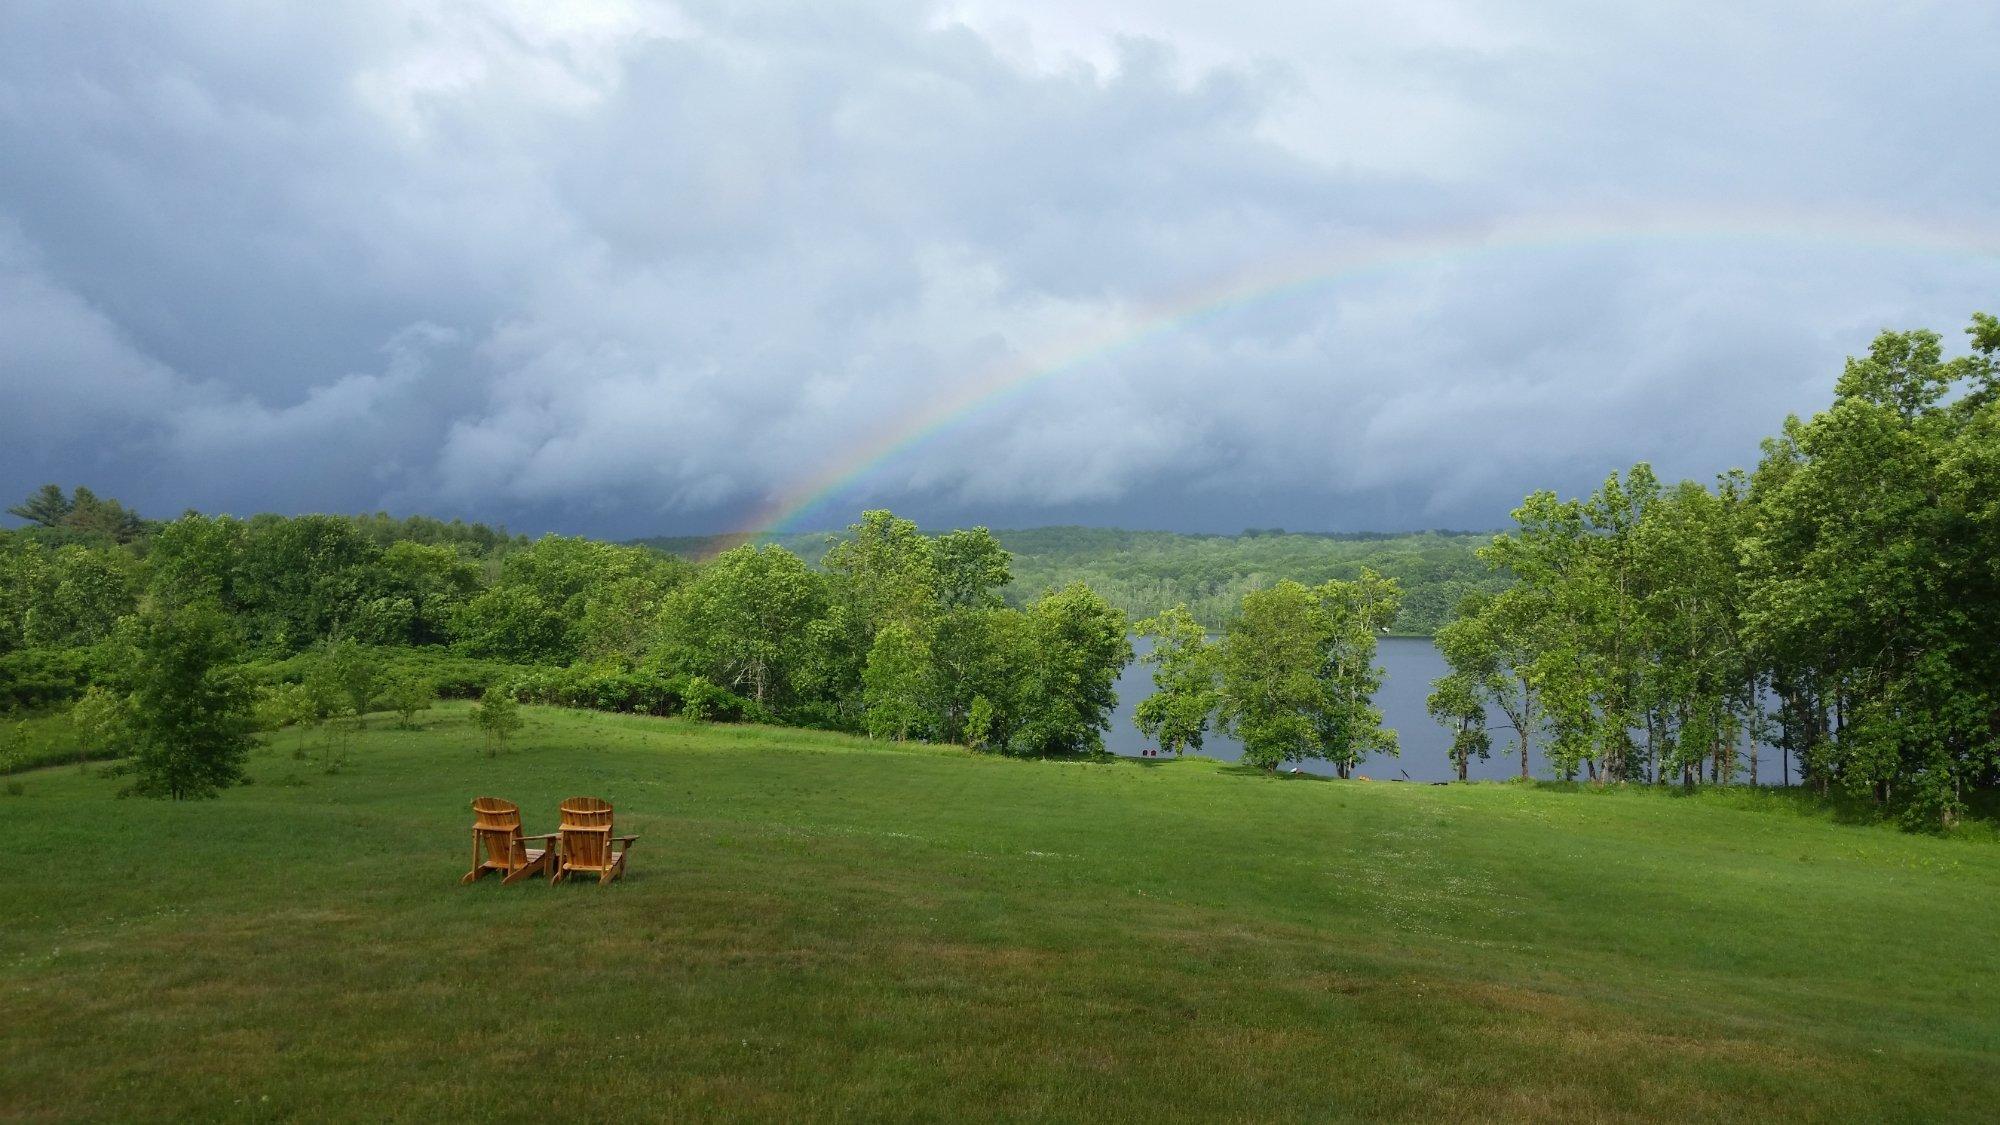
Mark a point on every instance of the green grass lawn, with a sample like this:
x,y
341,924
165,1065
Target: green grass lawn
x,y
817,926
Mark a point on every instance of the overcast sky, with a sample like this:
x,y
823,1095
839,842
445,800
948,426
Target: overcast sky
x,y
625,268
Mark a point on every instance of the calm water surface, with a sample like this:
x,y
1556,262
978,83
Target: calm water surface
x,y
1409,665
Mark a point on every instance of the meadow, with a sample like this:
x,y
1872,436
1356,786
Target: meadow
x,y
819,925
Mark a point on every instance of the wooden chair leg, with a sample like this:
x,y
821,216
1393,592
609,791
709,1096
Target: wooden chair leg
x,y
473,876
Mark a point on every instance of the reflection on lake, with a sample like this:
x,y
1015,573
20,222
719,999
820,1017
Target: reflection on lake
x,y
1409,664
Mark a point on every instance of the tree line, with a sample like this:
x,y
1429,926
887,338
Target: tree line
x,y
273,621
1833,608
1837,606
1147,572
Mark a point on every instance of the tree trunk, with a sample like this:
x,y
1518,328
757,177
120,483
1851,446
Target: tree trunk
x,y
1750,740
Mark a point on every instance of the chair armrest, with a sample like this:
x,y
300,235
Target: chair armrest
x,y
542,836
625,840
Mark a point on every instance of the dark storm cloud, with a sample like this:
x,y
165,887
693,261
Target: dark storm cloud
x,y
628,267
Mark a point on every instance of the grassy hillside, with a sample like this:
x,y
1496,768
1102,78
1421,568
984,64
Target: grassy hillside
x,y
815,925
1143,572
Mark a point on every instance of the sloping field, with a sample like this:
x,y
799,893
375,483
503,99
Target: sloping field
x,y
819,926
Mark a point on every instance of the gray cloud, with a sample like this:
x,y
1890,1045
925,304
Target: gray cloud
x,y
629,267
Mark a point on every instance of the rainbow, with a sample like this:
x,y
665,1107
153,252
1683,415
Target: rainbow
x,y
782,509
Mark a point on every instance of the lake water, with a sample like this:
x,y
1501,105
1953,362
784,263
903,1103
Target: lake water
x,y
1409,665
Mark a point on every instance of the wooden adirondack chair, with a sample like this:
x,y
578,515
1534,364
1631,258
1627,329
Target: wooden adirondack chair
x,y
587,842
497,843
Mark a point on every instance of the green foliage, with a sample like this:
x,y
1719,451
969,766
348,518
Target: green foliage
x,y
746,622
972,568
980,723
703,701
637,691
416,591
1457,702
469,540
201,556
1850,579
288,705
323,689
1075,645
897,688
406,693
562,598
1869,559
190,711
885,571
498,718
1148,572
81,512
35,678
1491,646
48,507
1186,689
453,676
102,720
513,624
65,596
1298,672
300,581
979,653
350,673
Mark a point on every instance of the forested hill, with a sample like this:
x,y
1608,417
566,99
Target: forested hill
x,y
1144,572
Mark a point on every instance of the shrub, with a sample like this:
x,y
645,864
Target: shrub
x,y
353,672
451,675
979,723
639,692
499,716
701,700
102,720
643,693
34,678
407,693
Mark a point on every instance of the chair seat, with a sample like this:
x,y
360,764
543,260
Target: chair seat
x,y
532,854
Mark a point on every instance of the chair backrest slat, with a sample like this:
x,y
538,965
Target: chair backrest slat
x,y
586,833
497,825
